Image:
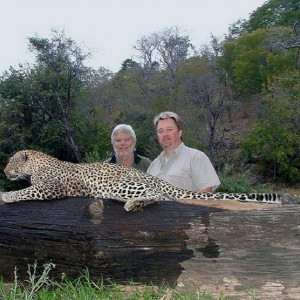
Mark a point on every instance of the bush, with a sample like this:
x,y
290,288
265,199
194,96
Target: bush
x,y
240,182
275,139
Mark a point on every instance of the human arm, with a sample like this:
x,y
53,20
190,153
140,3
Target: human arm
x,y
207,190
204,176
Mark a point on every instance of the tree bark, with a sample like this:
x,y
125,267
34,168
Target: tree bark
x,y
178,244
76,233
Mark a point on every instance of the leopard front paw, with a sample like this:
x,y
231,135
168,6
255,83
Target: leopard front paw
x,y
134,205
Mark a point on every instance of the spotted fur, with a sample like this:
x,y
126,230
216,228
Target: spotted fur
x,y
52,179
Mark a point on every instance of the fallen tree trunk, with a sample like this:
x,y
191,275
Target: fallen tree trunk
x,y
184,245
78,233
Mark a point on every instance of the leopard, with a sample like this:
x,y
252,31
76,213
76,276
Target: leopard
x,y
51,178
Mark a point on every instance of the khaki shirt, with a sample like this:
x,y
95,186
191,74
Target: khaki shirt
x,y
186,168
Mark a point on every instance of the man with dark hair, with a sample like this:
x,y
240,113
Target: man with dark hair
x,y
181,166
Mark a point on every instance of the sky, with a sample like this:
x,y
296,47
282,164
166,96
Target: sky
x,y
110,28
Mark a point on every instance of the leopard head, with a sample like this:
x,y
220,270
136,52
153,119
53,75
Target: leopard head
x,y
19,166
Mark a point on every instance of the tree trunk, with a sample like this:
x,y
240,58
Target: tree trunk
x,y
74,233
170,242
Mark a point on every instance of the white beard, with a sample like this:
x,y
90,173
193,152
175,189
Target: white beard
x,y
128,152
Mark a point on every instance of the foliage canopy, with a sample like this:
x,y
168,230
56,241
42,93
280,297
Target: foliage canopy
x,y
61,106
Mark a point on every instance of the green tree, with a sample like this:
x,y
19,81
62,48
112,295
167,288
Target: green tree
x,y
21,123
275,140
51,106
57,79
252,59
274,13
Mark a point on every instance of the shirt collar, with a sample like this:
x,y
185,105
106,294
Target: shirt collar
x,y
136,158
176,152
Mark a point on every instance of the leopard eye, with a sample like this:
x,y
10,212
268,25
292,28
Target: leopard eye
x,y
25,156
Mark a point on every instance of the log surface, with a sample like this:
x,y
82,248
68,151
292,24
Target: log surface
x,y
251,255
146,246
178,244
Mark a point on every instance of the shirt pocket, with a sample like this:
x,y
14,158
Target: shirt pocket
x,y
180,179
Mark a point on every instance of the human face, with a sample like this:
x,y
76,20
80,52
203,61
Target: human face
x,y
169,136
123,144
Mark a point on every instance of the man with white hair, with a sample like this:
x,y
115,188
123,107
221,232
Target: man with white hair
x,y
123,139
